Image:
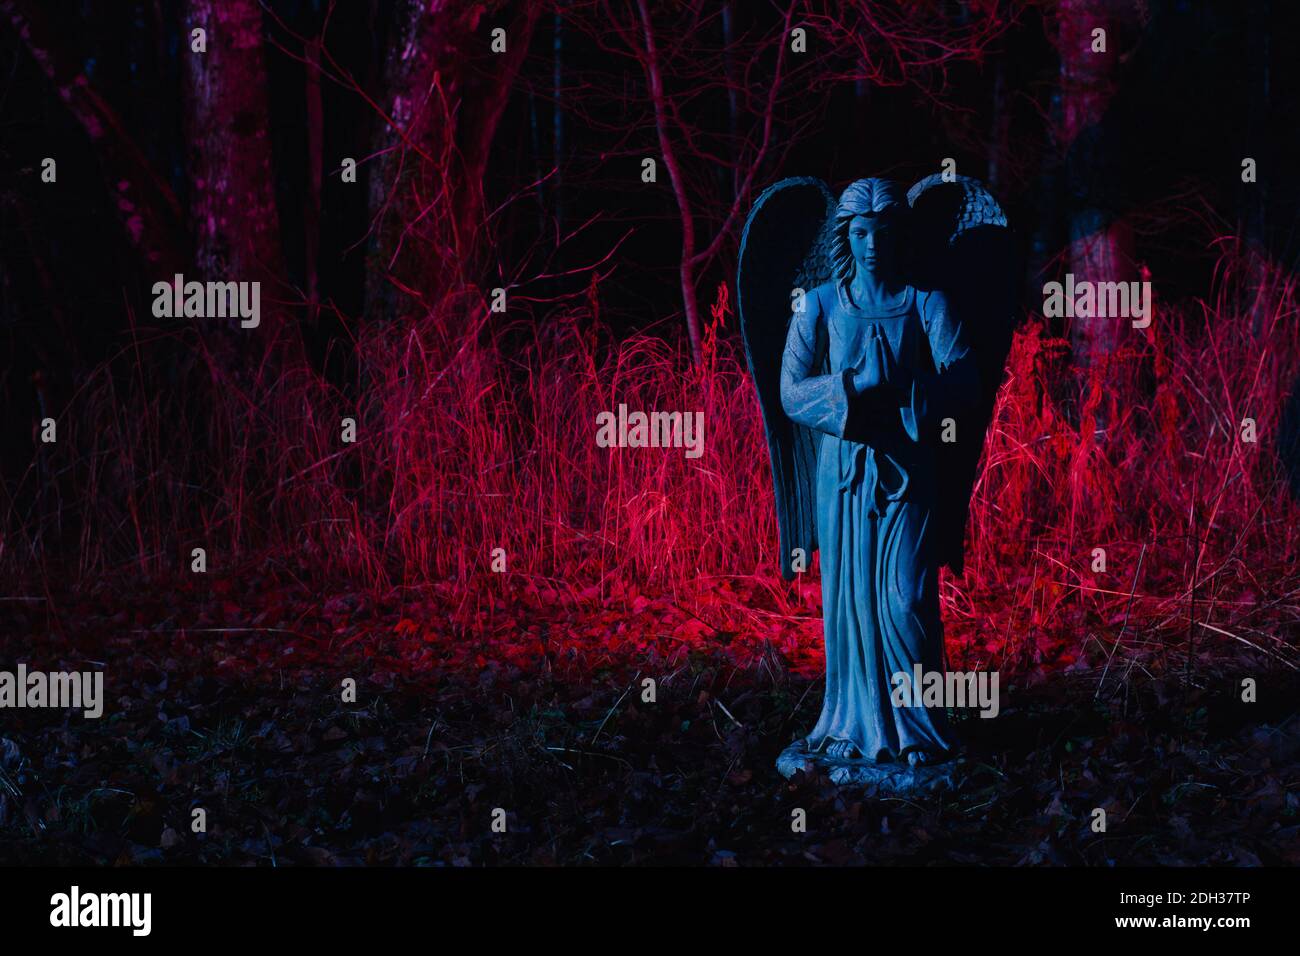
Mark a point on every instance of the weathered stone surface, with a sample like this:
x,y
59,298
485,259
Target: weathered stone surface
x,y
885,777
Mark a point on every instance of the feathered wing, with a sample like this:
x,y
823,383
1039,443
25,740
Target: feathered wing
x,y
964,247
785,245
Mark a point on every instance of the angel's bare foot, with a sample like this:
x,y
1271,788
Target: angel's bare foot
x,y
842,750
917,758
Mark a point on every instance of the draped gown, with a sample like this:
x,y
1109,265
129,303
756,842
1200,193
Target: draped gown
x,y
876,505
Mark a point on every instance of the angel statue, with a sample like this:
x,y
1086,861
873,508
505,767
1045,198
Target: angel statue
x,y
877,330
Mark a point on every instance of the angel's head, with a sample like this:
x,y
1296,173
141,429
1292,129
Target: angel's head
x,y
868,225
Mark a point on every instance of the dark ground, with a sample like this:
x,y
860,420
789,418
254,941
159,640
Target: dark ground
x,y
240,712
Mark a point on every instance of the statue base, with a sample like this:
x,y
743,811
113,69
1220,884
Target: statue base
x,y
885,777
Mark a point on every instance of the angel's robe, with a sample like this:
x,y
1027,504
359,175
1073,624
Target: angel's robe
x,y
877,526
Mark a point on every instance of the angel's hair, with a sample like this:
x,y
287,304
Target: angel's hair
x,y
866,197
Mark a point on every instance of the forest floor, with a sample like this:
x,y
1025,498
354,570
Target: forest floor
x,y
232,701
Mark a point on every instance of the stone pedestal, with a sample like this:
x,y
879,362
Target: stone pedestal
x,y
885,777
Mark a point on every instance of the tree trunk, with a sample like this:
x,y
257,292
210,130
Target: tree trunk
x,y
557,119
315,165
998,134
232,197
731,178
687,272
1254,196
1101,242
433,145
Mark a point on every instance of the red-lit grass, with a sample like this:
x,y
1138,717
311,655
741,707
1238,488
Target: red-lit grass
x,y
476,434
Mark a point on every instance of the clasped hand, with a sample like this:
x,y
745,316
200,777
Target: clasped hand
x,y
880,368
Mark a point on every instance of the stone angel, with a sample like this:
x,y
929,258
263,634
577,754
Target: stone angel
x,y
877,330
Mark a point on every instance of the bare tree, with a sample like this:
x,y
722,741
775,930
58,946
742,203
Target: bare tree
x,y
744,117
146,205
444,90
672,51
1101,241
233,215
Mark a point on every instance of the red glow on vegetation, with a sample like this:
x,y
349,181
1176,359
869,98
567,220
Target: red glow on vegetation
x,y
473,438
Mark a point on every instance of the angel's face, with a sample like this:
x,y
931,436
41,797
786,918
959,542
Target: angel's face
x,y
872,242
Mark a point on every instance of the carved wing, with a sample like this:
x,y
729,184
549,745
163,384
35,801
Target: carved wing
x,y
964,247
785,245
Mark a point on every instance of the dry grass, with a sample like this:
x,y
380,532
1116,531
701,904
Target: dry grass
x,y
475,434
